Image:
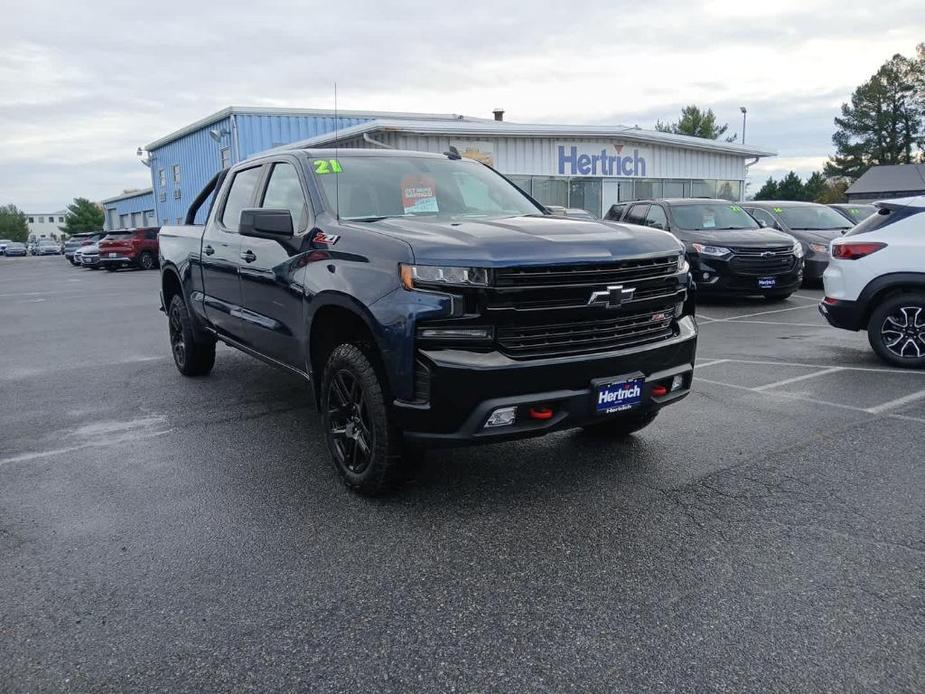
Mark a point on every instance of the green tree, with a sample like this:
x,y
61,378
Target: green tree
x,y
791,188
82,215
883,122
814,187
13,224
696,123
768,191
834,191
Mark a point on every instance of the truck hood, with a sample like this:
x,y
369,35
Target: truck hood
x,y
523,240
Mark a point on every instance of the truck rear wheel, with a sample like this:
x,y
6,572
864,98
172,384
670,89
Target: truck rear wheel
x,y
621,426
146,261
192,357
365,445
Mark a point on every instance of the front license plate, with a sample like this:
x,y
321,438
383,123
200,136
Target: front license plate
x,y
619,395
767,283
113,255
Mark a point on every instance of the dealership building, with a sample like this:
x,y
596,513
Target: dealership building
x,y
586,166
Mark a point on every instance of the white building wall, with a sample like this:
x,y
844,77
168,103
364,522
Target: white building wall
x,y
45,224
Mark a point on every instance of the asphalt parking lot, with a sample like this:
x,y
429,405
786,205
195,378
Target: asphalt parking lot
x,y
159,533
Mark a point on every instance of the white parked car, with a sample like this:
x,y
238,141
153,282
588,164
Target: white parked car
x,y
876,281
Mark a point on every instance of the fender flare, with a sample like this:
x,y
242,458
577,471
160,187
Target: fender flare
x,y
884,283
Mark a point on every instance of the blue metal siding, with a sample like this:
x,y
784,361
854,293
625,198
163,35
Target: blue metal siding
x,y
199,157
137,204
257,133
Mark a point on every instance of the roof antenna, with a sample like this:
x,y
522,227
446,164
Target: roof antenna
x,y
336,176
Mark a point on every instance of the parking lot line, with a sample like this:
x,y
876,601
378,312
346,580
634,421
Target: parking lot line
x,y
788,396
762,313
814,299
770,322
710,363
787,381
898,402
871,369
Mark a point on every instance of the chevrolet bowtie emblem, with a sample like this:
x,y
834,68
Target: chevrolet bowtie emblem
x,y
612,297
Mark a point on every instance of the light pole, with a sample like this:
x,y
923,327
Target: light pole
x,y
744,112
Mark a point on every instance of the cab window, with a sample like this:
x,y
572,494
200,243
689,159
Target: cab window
x,y
284,192
764,216
240,197
637,214
656,218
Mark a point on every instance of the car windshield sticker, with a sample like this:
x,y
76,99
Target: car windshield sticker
x,y
735,208
709,221
778,209
327,166
419,194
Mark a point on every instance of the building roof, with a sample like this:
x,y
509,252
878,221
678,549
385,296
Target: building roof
x,y
491,128
273,111
126,196
890,178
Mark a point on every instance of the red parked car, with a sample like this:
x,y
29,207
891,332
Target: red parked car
x,y
130,248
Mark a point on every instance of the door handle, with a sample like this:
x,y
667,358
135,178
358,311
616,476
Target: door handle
x,y
208,250
248,256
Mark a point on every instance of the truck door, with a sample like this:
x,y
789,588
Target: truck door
x,y
270,285
221,256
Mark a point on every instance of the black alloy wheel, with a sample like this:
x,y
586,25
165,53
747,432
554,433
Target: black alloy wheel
x,y
897,330
146,261
365,445
348,422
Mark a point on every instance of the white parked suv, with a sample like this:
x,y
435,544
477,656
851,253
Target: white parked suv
x,y
876,281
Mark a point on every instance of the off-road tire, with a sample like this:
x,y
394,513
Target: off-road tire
x,y
192,357
365,446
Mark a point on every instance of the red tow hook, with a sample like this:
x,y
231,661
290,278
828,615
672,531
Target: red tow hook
x,y
659,391
540,412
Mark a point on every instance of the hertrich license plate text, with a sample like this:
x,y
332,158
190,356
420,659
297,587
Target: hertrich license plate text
x,y
616,397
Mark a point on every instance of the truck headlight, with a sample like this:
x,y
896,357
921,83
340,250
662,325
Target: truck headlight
x,y
683,265
423,275
715,251
798,249
819,247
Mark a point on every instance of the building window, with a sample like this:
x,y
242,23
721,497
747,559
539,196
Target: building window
x,y
41,220
586,194
648,188
226,157
162,196
676,188
31,220
729,190
162,178
60,220
550,191
176,173
522,182
123,221
702,188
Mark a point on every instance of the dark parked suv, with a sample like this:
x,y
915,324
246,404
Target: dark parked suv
x,y
810,223
130,248
729,253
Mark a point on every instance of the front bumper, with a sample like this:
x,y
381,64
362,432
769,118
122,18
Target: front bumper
x,y
814,265
89,260
718,277
465,387
119,261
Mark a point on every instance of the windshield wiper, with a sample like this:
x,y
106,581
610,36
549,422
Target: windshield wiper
x,y
371,219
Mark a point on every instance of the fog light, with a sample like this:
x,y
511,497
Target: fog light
x,y
706,275
502,417
677,383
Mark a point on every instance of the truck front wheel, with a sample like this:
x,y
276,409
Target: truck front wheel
x,y
192,357
365,445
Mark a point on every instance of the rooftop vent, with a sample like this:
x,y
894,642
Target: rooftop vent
x,y
499,114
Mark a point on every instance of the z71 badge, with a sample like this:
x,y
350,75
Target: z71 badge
x,y
325,239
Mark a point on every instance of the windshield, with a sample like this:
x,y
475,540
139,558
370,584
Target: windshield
x,y
47,243
812,217
712,217
372,187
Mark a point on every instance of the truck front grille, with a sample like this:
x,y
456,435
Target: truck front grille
x,y
587,275
557,339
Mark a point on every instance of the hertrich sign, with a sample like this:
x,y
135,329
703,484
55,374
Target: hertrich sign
x,y
597,160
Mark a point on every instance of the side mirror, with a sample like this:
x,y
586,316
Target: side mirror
x,y
262,223
762,224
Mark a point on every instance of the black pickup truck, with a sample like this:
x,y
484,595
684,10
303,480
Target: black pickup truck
x,y
429,302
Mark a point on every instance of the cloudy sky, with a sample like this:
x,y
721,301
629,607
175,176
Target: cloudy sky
x,y
83,83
